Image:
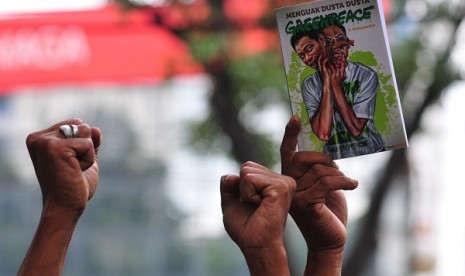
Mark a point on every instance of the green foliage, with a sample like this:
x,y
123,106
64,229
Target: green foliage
x,y
205,46
403,56
205,137
268,148
259,80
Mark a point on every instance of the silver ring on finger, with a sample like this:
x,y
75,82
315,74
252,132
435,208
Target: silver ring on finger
x,y
69,131
74,131
66,131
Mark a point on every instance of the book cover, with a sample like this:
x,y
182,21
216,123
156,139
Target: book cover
x,y
340,77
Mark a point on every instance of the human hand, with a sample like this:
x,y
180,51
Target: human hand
x,y
324,67
255,207
67,169
319,207
339,51
338,73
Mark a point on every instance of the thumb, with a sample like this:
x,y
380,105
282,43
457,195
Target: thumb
x,y
96,136
85,153
229,190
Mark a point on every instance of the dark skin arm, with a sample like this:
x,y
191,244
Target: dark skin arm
x,y
67,171
322,120
319,207
255,205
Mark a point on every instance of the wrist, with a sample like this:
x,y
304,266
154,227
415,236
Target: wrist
x,y
267,261
324,262
57,208
60,214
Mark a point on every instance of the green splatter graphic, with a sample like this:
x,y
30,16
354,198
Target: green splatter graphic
x,y
296,74
365,58
386,94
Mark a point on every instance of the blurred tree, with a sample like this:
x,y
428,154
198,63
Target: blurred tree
x,y
238,47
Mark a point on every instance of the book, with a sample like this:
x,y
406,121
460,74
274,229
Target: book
x,y
340,77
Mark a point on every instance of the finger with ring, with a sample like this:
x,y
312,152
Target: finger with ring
x,y
69,131
74,130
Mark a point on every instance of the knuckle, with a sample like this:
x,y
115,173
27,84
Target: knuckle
x,y
88,143
246,167
48,145
299,157
281,191
317,169
85,128
286,185
291,183
76,121
246,176
325,181
31,140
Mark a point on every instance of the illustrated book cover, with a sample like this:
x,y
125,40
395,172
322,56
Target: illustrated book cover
x,y
340,77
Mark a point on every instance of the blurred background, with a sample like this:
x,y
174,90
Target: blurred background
x,y
184,92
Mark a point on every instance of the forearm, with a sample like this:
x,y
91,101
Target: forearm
x,y
324,263
323,119
48,249
264,262
354,125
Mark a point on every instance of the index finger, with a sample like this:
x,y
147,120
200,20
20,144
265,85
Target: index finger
x,y
96,136
289,143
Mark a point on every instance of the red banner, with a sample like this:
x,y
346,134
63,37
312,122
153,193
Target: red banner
x,y
101,46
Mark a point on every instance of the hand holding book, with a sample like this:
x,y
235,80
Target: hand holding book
x,y
319,207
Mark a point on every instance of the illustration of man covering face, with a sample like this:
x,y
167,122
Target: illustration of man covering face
x,y
341,96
